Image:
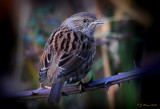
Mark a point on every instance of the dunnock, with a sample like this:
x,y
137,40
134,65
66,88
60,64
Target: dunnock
x,y
68,54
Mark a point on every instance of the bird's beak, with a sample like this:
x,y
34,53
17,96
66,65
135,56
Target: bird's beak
x,y
98,22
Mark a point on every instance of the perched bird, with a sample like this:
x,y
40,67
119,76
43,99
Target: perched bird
x,y
68,54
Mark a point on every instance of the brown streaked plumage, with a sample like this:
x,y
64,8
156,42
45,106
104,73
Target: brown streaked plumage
x,y
68,54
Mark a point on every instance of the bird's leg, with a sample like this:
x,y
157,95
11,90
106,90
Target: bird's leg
x,y
41,86
81,84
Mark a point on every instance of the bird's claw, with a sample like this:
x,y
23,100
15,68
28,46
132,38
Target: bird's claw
x,y
43,87
47,87
82,84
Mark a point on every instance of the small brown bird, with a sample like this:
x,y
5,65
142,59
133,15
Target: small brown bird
x,y
68,54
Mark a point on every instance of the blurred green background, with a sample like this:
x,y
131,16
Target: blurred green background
x,y
132,25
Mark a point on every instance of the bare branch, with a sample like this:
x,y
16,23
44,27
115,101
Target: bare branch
x,y
95,84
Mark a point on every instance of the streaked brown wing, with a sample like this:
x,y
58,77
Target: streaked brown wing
x,y
70,62
46,58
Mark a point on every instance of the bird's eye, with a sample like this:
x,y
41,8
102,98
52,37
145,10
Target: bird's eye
x,y
84,20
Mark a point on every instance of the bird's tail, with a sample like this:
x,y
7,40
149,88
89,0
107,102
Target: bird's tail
x,y
55,93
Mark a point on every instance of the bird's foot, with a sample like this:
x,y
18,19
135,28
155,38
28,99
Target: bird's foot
x,y
42,87
47,87
81,85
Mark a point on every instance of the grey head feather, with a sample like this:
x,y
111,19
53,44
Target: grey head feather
x,y
81,22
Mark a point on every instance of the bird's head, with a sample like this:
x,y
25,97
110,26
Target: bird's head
x,y
83,22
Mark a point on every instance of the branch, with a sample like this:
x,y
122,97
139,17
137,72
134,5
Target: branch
x,y
95,84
